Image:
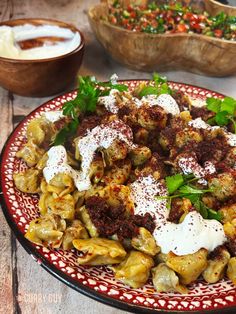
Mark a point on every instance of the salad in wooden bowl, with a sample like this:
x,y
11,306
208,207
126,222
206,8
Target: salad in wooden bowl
x,y
149,36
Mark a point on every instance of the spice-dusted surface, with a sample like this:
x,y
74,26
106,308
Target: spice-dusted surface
x,y
25,285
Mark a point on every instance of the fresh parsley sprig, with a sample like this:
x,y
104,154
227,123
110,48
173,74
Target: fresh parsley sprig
x,y
225,111
157,87
89,90
180,186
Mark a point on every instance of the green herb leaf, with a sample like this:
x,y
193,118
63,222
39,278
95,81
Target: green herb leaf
x,y
219,19
228,105
221,118
211,121
164,89
186,189
69,109
174,182
203,210
194,198
225,111
89,91
160,86
212,214
159,79
148,90
178,185
213,104
152,6
66,132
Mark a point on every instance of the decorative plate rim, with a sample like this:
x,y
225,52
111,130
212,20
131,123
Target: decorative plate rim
x,y
59,274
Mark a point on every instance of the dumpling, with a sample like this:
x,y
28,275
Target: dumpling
x,y
99,251
165,280
134,270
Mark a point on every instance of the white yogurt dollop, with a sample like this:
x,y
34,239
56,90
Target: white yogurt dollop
x,y
187,237
190,236
101,136
197,102
57,163
143,193
165,101
9,36
189,165
198,123
109,101
53,116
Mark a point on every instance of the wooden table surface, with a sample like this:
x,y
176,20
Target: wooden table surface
x,y
24,286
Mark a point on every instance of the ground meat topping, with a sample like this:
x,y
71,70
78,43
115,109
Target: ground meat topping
x,y
214,149
169,134
110,220
201,112
231,246
216,253
88,123
124,111
179,96
176,210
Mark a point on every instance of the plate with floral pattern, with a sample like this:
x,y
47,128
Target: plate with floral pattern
x,y
98,282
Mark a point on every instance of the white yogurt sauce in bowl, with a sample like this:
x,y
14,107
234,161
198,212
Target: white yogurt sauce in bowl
x,y
47,41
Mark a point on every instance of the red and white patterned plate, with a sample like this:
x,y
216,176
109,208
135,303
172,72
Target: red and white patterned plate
x,y
98,282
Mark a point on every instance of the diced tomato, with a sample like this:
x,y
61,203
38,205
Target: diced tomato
x,y
129,27
144,24
194,18
154,24
169,14
170,20
129,8
195,25
137,28
142,7
125,21
202,18
182,28
133,14
113,20
218,33
187,16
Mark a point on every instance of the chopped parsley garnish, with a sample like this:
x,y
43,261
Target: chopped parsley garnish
x,y
88,92
225,110
157,87
174,182
179,186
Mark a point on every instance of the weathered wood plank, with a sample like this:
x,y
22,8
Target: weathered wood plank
x,y
6,259
44,293
6,9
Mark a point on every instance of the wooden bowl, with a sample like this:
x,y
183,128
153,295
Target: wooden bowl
x,y
44,77
148,52
215,7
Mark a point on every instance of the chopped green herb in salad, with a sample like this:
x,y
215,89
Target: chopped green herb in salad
x,y
171,18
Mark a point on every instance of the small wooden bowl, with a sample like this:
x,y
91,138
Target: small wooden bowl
x,y
44,77
148,52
